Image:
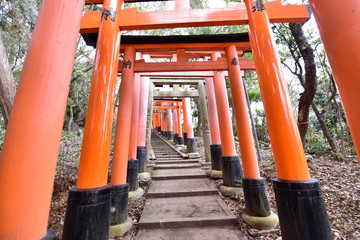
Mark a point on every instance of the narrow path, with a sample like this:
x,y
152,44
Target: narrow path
x,y
182,203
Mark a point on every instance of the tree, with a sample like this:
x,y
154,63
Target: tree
x,y
7,86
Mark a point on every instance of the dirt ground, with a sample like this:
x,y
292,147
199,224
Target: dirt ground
x,y
340,183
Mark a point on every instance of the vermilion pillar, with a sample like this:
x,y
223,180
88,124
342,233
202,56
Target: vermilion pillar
x,y
246,140
31,145
180,134
133,164
191,140
256,201
91,185
215,147
122,142
340,33
231,168
184,120
297,196
143,112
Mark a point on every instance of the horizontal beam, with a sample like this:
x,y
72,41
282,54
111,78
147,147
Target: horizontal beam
x,y
179,94
220,65
131,19
88,2
201,74
166,47
175,81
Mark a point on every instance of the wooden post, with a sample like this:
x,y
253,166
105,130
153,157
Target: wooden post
x,y
232,173
91,185
204,120
340,33
149,119
31,145
143,116
291,165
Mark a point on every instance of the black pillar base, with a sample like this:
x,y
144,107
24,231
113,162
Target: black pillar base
x,y
180,140
50,235
301,210
132,174
119,204
216,153
185,138
170,135
191,145
256,201
158,129
176,138
141,156
88,214
232,171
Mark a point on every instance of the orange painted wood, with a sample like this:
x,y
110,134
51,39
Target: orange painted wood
x,y
122,136
95,152
223,110
134,117
213,115
284,135
143,111
30,150
189,47
246,140
188,118
340,33
178,114
220,65
131,19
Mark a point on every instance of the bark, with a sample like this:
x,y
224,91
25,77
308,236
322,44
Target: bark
x,y
326,131
309,84
7,86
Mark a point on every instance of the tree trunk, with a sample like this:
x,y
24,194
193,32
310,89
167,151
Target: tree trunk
x,y
326,131
309,85
7,86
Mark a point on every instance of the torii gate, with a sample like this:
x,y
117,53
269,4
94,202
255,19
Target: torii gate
x,y
51,57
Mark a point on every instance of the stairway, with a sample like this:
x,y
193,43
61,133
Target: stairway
x,y
182,203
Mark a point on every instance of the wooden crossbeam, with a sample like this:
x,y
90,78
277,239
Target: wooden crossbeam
x,y
131,19
88,2
220,65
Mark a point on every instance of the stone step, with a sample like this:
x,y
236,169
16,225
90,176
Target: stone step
x,y
168,156
181,188
174,166
170,161
199,233
181,173
194,211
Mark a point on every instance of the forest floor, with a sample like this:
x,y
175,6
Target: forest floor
x,y
340,183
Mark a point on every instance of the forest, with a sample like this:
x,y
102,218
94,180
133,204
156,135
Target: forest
x,y
321,120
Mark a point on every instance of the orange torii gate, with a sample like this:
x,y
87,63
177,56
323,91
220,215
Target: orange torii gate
x,y
42,101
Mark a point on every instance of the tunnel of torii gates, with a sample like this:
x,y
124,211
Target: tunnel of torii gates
x,y
31,145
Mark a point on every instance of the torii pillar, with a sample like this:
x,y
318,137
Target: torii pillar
x,y
215,147
204,117
92,194
297,195
231,168
339,30
135,192
143,116
120,222
191,140
30,150
257,209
